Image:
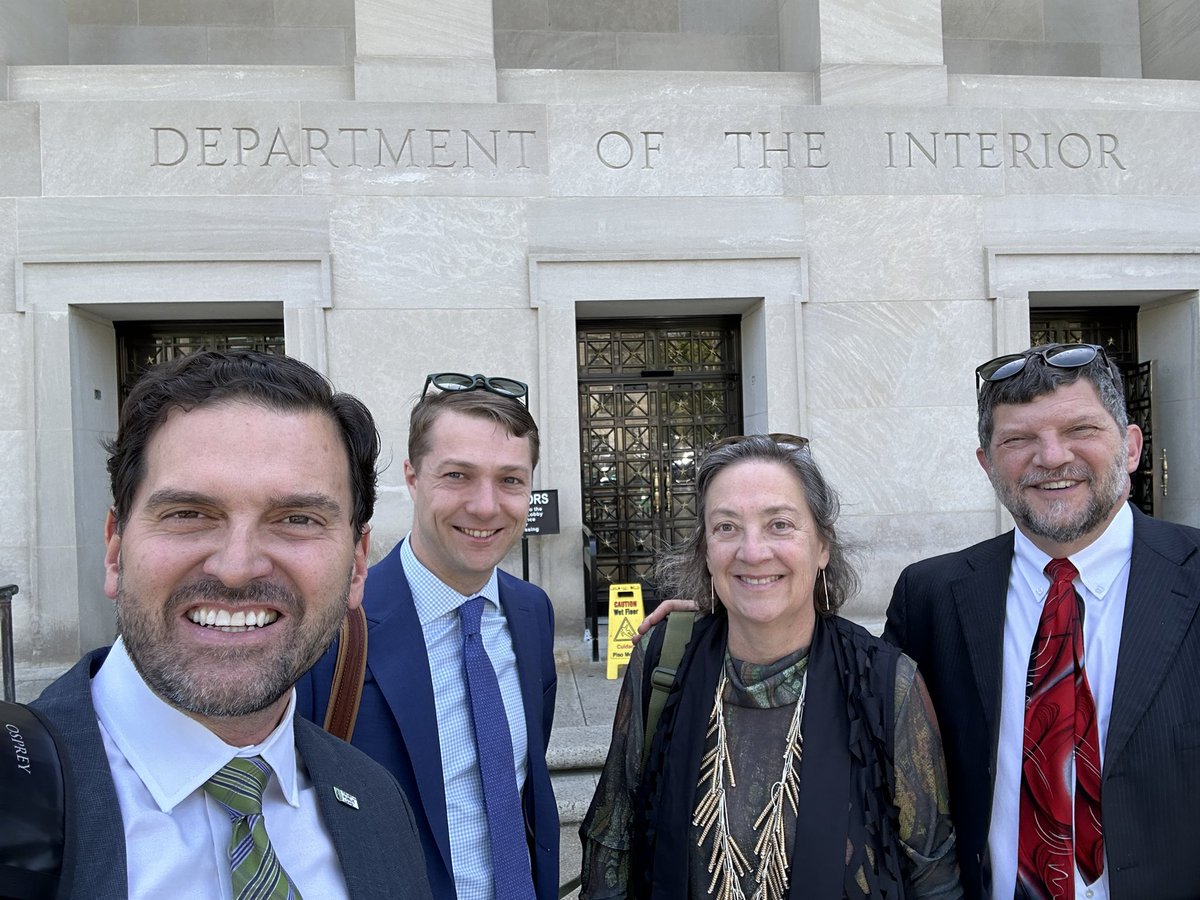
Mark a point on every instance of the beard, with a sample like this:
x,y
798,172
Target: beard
x,y
233,682
1056,522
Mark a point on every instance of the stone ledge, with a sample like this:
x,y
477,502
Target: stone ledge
x,y
578,747
573,795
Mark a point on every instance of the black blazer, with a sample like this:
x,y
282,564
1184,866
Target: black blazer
x,y
397,720
376,843
947,613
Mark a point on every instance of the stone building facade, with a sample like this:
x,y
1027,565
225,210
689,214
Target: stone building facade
x,y
672,218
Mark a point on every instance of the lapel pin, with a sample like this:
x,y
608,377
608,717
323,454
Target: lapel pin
x,y
342,797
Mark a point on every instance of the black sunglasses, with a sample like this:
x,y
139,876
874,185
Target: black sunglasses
x,y
1061,356
456,381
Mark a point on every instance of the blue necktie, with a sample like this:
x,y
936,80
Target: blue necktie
x,y
493,745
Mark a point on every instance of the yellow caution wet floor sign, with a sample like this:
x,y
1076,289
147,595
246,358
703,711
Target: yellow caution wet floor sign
x,y
624,616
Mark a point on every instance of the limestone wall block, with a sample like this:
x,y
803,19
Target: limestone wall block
x,y
894,248
659,149
900,461
410,148
171,148
168,82
20,148
887,544
188,226
429,253
908,32
883,354
629,225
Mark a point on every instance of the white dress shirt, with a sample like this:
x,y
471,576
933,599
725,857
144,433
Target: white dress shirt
x,y
437,609
1102,583
176,836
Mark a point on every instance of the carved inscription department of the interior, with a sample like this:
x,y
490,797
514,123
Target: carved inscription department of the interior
x,y
497,150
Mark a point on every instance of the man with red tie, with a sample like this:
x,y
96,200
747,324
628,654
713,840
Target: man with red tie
x,y
1063,658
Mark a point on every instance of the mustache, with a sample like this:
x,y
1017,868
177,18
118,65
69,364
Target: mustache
x,y
255,593
1064,473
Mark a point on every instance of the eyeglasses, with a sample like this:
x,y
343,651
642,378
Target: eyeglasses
x,y
1061,356
781,438
456,381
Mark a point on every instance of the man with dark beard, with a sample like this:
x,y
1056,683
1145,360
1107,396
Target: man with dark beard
x,y
1063,658
237,540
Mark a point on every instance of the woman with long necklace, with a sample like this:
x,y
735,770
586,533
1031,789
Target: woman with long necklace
x,y
796,756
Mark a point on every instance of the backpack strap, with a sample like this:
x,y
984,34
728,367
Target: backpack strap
x,y
349,671
31,805
662,679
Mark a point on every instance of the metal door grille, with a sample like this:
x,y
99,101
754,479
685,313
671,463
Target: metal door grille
x,y
651,397
142,344
1114,329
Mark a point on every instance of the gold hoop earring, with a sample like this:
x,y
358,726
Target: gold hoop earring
x,y
825,588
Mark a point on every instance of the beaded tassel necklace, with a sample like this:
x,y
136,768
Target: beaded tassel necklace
x,y
728,862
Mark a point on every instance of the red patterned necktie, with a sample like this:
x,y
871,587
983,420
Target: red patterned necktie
x,y
1060,722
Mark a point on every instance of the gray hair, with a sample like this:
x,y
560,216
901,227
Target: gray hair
x,y
1038,379
683,571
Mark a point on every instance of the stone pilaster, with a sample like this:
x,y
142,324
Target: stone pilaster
x,y
882,53
412,50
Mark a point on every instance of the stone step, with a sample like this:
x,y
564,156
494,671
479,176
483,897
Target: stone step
x,y
573,791
578,747
583,721
575,758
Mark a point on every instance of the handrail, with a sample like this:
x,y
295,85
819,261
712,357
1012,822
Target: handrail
x,y
6,642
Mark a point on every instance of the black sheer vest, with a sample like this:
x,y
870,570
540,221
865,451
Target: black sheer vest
x,y
847,838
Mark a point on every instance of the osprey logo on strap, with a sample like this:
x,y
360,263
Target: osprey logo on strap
x,y
31,806
19,748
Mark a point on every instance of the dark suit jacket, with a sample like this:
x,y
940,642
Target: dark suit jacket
x,y
947,613
377,843
397,721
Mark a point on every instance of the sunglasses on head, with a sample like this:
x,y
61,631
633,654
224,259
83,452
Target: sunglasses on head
x,y
456,381
1061,356
781,438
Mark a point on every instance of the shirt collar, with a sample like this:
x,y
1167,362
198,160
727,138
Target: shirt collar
x,y
1099,563
432,596
171,752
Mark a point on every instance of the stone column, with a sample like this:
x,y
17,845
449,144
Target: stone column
x,y
414,50
885,52
32,33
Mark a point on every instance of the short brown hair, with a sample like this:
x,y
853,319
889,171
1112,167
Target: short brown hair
x,y
508,413
210,377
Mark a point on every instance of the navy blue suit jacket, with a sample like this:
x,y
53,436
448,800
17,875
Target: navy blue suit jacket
x,y
376,843
397,721
947,613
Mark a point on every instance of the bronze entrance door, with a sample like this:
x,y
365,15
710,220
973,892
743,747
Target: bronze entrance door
x,y
1114,329
652,394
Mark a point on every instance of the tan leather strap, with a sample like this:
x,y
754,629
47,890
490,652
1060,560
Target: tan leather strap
x,y
348,674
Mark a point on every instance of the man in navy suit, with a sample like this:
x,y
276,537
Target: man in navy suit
x,y
242,486
1056,442
472,449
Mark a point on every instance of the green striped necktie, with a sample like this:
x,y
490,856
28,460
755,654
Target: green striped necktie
x,y
257,874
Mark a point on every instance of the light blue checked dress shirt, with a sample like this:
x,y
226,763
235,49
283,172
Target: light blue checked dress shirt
x,y
437,610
